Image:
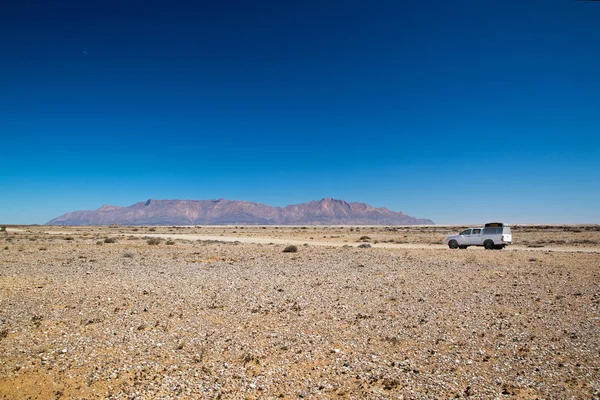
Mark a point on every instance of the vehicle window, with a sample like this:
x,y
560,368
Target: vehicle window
x,y
507,230
476,231
466,232
491,231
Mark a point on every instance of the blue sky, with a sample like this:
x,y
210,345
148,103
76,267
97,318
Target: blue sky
x,y
461,112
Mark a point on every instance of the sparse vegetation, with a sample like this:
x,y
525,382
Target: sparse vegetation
x,y
110,240
290,249
154,241
178,302
170,243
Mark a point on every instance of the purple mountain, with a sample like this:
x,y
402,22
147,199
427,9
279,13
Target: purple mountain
x,y
221,212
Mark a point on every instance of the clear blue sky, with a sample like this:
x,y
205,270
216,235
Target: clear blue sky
x,y
458,111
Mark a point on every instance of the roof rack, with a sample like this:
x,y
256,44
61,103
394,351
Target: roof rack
x,y
494,224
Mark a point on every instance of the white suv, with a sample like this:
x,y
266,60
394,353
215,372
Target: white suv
x,y
494,235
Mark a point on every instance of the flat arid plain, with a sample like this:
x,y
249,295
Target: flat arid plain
x,y
223,312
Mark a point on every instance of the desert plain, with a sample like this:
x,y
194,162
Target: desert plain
x,y
144,312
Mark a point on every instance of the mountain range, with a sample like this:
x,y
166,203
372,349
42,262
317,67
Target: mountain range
x,y
226,212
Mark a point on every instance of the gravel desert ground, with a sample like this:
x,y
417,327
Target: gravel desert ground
x,y
105,312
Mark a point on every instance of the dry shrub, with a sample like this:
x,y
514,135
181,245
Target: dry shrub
x,y
290,249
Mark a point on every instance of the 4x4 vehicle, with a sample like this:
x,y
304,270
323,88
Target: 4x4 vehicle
x,y
495,235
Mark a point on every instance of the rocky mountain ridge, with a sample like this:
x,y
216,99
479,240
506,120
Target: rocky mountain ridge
x,y
326,211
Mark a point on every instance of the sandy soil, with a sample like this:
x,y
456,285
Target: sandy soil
x,y
96,312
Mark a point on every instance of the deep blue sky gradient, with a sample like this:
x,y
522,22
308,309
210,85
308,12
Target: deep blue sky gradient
x,y
459,111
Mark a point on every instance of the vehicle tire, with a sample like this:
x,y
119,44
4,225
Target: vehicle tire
x,y
453,244
498,247
463,247
488,244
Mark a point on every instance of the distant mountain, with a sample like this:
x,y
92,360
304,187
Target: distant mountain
x,y
221,212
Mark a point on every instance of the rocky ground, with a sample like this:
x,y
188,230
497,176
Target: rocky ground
x,y
97,313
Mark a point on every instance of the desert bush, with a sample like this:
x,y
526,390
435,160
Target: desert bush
x,y
152,229
114,226
154,241
170,243
364,246
110,240
69,238
2,228
290,249
364,238
129,254
584,241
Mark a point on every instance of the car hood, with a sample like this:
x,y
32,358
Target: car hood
x,y
448,238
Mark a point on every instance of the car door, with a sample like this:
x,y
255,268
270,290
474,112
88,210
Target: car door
x,y
475,237
464,237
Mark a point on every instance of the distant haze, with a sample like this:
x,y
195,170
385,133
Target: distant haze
x,y
219,212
